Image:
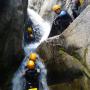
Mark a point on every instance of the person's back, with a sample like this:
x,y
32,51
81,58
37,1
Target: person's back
x,y
31,77
65,19
61,22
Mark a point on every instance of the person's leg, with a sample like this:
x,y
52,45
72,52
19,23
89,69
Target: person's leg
x,y
75,9
74,12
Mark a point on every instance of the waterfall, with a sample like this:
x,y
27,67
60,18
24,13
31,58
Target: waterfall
x,y
44,28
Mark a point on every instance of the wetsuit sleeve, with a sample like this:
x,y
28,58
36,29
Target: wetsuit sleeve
x,y
55,25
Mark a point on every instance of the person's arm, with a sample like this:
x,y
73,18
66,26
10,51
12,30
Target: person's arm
x,y
56,21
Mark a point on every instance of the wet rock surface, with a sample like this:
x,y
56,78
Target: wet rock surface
x,y
11,31
12,17
67,55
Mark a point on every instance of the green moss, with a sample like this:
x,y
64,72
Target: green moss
x,y
63,49
76,55
42,53
84,58
72,53
61,52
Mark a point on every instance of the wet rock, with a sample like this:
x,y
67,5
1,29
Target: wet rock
x,y
67,56
44,7
11,31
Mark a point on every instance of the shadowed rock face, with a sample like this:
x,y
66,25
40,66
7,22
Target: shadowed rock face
x,y
3,4
67,56
12,19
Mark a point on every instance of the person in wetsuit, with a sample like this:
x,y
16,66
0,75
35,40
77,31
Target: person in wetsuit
x,y
61,22
75,8
29,33
35,73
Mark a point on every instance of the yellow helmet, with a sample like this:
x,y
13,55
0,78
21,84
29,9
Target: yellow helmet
x,y
56,7
31,64
33,56
29,29
81,2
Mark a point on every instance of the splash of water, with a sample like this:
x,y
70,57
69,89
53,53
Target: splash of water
x,y
44,28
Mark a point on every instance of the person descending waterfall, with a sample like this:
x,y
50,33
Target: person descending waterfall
x,y
61,22
31,74
29,34
41,30
35,73
76,7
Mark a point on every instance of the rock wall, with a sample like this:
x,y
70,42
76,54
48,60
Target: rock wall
x,y
67,56
44,7
12,13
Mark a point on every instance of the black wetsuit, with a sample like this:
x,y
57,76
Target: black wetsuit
x,y
31,77
60,23
75,8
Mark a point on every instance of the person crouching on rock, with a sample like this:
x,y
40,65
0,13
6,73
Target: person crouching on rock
x,y
61,22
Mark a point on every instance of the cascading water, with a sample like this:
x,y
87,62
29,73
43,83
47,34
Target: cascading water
x,y
44,29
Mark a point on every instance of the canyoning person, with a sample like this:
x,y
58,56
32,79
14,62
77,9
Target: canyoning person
x,y
61,22
31,76
76,7
29,33
35,73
